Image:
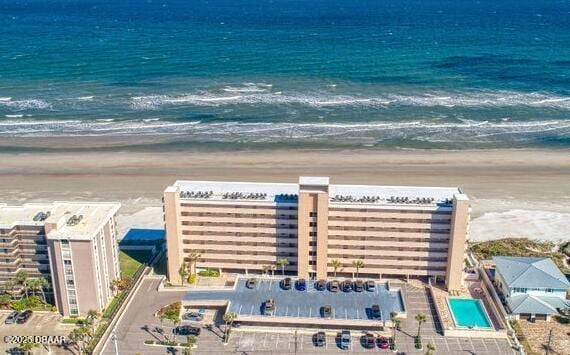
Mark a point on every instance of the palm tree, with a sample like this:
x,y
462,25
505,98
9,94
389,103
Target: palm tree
x,y
395,326
194,256
21,277
420,318
358,264
265,269
282,262
92,316
229,319
9,285
272,268
430,349
28,347
336,264
183,272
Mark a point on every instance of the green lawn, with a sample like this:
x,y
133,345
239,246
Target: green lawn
x,y
131,260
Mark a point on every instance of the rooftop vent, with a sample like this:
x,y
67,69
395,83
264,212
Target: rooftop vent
x,y
244,196
41,216
196,194
74,220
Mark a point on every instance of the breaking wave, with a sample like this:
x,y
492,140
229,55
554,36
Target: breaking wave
x,y
20,105
259,132
252,95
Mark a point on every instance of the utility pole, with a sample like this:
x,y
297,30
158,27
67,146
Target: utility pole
x,y
549,341
114,338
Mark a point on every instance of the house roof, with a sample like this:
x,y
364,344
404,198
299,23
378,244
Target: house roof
x,y
525,303
530,272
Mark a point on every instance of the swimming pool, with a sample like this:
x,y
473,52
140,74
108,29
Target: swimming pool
x,y
468,312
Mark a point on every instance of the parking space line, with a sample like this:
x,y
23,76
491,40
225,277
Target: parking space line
x,y
239,311
286,310
251,313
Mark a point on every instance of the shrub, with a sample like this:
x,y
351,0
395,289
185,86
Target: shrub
x,y
209,273
149,342
191,279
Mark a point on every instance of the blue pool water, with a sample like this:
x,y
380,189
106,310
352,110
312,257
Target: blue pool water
x,y
468,312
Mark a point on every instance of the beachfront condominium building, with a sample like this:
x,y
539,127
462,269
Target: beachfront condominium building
x,y
72,245
320,229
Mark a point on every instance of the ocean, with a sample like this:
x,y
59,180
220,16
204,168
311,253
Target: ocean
x,y
377,74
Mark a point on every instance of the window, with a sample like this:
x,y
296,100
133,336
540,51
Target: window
x,y
64,242
73,311
312,224
312,214
312,234
70,282
67,262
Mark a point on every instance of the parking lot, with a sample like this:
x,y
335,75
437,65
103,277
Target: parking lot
x,y
304,304
40,323
139,324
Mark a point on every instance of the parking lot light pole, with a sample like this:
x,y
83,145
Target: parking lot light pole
x,y
114,338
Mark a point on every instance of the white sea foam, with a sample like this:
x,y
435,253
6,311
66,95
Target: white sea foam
x,y
13,116
28,104
252,95
355,133
86,98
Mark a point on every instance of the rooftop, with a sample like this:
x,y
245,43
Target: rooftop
x,y
533,304
530,272
73,220
274,192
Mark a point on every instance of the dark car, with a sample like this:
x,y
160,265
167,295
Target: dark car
x,y
268,307
358,286
11,319
368,341
320,339
250,283
383,343
370,286
301,285
345,339
347,286
334,286
186,330
286,283
375,312
23,317
193,316
326,311
320,285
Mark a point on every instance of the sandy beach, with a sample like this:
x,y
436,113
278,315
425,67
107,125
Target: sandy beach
x,y
514,192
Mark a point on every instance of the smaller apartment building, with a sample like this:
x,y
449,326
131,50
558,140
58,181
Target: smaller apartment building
x,y
242,227
73,245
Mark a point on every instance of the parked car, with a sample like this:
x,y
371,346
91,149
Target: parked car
x,y
345,339
368,341
370,286
375,312
347,286
24,317
11,319
326,311
358,286
383,343
268,307
301,285
286,283
187,330
250,283
193,316
334,286
320,285
320,339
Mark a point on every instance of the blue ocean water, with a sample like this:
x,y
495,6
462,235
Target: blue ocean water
x,y
321,73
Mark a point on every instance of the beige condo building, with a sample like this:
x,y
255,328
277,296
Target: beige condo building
x,y
72,245
240,227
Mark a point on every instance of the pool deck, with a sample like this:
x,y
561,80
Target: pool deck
x,y
302,307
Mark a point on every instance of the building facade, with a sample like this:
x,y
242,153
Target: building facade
x,y
533,287
321,229
72,245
